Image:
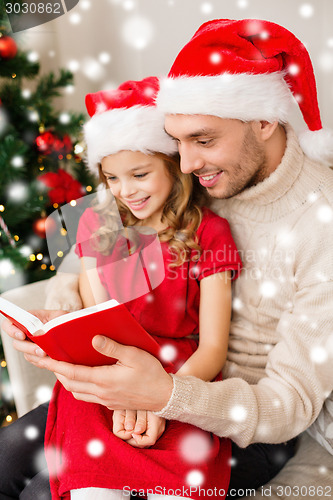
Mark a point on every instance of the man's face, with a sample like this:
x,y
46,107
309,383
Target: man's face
x,y
226,155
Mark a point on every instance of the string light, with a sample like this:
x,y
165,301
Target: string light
x,y
3,364
9,418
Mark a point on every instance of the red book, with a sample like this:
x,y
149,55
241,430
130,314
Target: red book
x,y
69,337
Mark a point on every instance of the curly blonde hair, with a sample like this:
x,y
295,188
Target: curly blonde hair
x,y
182,213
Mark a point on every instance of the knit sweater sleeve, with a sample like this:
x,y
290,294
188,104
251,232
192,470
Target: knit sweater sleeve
x,y
298,373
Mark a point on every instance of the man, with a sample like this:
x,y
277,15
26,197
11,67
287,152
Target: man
x,y
226,102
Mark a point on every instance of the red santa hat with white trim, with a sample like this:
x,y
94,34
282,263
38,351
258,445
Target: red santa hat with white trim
x,y
248,70
125,118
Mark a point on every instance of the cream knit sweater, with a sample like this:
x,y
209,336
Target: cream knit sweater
x,y
280,362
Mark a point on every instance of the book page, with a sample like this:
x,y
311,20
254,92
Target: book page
x,y
78,314
31,322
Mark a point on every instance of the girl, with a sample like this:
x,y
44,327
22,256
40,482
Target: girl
x,y
136,159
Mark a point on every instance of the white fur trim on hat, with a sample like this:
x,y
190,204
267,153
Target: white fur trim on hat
x,y
243,96
318,145
139,128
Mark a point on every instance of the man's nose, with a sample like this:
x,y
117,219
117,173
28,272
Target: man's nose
x,y
189,159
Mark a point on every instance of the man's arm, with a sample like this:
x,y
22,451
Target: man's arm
x,y
137,380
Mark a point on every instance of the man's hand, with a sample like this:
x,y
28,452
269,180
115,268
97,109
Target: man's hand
x,y
137,378
21,343
138,428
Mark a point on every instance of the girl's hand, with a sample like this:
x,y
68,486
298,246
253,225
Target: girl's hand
x,y
21,343
127,422
128,425
155,429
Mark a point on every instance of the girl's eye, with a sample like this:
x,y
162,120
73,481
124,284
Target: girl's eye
x,y
111,179
140,176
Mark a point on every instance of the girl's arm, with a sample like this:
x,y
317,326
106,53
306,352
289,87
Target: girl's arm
x,y
214,322
91,289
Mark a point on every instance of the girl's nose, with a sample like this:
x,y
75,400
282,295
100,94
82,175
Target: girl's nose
x,y
127,189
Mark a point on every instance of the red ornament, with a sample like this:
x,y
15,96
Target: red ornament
x,y
8,47
48,143
64,188
38,227
44,225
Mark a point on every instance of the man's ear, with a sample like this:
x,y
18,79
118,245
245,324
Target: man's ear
x,y
267,129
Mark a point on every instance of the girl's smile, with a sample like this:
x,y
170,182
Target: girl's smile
x,y
142,182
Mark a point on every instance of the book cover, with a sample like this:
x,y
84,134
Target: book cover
x,y
69,337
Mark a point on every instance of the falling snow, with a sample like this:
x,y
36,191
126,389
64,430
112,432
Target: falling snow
x,y
238,413
319,355
95,448
195,478
306,10
168,353
195,447
137,32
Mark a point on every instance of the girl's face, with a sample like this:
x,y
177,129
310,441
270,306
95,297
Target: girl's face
x,y
142,182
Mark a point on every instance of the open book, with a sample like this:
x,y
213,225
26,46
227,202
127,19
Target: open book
x,y
69,337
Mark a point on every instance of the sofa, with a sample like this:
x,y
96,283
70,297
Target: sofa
x,y
309,474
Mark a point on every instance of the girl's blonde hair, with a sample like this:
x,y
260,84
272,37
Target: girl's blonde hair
x,y
182,213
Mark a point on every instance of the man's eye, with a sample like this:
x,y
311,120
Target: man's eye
x,y
140,176
205,143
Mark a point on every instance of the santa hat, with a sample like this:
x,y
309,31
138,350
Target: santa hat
x,y
125,119
247,70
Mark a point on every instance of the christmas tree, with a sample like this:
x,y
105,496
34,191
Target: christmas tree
x,y
41,166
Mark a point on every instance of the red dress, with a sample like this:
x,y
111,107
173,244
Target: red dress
x,y
81,449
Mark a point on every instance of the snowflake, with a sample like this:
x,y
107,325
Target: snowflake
x,y
326,61
138,32
128,5
242,4
238,413
95,448
207,8
104,57
215,58
293,69
168,353
237,304
93,69
75,18
31,432
43,393
322,469
319,355
17,161
73,65
18,191
85,4
325,214
195,447
149,298
26,93
33,56
306,10
64,118
232,462
268,289
195,478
